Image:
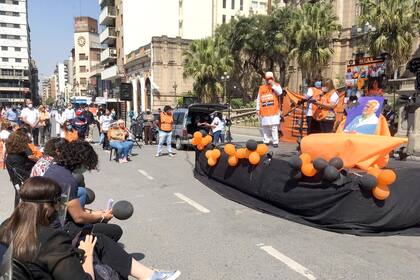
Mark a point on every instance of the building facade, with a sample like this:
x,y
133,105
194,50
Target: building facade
x,y
156,73
16,73
87,53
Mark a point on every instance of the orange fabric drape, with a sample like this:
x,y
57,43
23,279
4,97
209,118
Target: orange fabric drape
x,y
35,151
356,150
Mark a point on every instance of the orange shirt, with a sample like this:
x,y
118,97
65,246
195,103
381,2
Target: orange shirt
x,y
269,101
71,135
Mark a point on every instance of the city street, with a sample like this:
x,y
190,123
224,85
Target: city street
x,y
179,223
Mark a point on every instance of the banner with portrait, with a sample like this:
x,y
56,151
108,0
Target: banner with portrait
x,y
363,117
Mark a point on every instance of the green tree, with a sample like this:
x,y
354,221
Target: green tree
x,y
206,60
313,28
49,101
396,23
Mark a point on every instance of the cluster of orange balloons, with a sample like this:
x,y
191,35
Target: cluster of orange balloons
x,y
253,155
385,178
200,141
213,156
307,167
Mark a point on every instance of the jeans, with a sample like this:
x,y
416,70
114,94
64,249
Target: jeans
x,y
216,136
123,147
165,137
81,194
44,134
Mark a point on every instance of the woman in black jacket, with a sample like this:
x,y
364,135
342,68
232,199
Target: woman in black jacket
x,y
48,253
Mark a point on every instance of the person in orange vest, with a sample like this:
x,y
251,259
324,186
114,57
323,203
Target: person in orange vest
x,y
165,124
312,95
268,109
325,113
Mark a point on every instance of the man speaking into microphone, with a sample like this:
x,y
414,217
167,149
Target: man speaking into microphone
x,y
268,109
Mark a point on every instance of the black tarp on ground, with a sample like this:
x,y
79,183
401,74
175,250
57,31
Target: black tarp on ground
x,y
345,209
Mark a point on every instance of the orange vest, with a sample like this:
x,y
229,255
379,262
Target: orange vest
x,y
316,93
321,113
166,122
269,101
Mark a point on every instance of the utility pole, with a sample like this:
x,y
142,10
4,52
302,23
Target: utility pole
x,y
269,7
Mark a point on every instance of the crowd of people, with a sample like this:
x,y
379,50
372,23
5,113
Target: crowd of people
x,y
83,243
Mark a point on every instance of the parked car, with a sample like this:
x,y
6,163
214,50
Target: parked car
x,y
185,122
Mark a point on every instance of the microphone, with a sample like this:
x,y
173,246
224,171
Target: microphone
x,y
122,210
90,196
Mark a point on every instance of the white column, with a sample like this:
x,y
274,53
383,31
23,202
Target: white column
x,y
135,105
143,94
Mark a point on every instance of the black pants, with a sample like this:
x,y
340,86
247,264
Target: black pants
x,y
112,231
105,145
110,253
148,137
327,126
44,134
35,135
309,124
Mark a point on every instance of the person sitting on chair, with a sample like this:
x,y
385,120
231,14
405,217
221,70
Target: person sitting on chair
x,y
117,135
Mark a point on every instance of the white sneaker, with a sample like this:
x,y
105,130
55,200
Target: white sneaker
x,y
157,155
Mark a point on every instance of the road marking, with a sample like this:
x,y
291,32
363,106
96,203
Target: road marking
x,y
289,262
191,202
144,173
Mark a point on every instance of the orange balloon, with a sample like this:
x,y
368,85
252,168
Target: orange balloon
x,y
254,158
381,192
208,154
194,141
306,158
200,147
248,152
197,135
211,161
386,177
215,153
233,161
230,149
241,153
206,140
308,169
374,171
262,149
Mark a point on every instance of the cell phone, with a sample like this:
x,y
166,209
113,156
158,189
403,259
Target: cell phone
x,y
109,204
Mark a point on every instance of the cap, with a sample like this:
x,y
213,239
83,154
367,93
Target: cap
x,y
318,84
269,75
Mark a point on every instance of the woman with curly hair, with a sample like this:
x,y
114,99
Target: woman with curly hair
x,y
79,157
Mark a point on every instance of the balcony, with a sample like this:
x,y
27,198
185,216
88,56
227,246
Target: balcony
x,y
107,16
108,55
110,73
108,36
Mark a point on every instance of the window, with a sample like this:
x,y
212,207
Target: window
x,y
5,59
4,48
224,4
82,56
82,69
15,2
16,25
17,37
241,5
15,14
17,49
18,60
254,5
232,4
2,24
3,36
223,19
2,1
83,81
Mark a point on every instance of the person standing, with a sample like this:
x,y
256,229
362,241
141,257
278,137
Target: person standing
x,y
90,121
44,119
30,116
60,118
105,122
218,128
268,109
12,115
325,113
69,113
165,124
148,124
312,95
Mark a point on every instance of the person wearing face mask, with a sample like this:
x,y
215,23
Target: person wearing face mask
x,y
44,121
30,116
105,122
312,95
268,109
59,123
325,113
69,113
12,115
166,121
70,134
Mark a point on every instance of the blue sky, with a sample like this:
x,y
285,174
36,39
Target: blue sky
x,y
51,23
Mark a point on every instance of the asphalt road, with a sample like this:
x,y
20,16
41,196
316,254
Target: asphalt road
x,y
179,223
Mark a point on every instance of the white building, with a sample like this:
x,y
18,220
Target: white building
x,y
15,51
62,77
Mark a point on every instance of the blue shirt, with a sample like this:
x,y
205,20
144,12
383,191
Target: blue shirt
x,y
12,115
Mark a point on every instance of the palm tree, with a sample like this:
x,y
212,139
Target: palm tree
x,y
205,60
396,23
313,29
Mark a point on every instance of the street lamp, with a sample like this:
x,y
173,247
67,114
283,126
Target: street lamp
x,y
225,78
174,86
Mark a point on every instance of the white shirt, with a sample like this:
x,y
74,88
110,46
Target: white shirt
x,y
69,114
31,115
270,120
309,94
220,125
4,134
334,98
105,122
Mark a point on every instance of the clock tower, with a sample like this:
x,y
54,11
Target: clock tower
x,y
86,53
